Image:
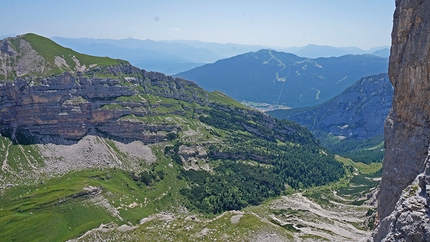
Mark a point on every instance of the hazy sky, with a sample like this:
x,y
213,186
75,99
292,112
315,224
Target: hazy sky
x,y
277,23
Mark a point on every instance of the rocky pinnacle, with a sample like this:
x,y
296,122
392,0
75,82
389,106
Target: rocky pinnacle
x,y
407,126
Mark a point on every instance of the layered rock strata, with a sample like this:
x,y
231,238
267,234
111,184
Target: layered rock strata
x,y
66,107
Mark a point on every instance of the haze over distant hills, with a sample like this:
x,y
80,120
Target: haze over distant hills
x,y
151,55
315,51
272,77
176,56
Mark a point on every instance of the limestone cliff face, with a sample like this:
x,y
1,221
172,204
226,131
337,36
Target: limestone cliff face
x,y
64,108
407,128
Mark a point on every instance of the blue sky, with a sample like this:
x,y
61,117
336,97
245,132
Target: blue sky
x,y
276,23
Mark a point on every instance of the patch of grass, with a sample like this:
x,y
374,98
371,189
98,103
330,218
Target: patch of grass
x,y
224,99
312,237
46,211
378,146
357,182
365,151
358,185
361,167
134,98
20,158
75,100
113,106
290,227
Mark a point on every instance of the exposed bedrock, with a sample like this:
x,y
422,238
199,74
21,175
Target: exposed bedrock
x,y
407,128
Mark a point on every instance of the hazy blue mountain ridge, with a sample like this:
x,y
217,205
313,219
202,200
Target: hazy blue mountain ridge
x,y
151,55
315,51
282,78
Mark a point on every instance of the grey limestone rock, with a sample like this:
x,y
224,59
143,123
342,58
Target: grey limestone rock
x,y
408,124
403,200
410,220
66,107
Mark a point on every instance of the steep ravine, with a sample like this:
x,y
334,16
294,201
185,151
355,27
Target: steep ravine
x,y
407,129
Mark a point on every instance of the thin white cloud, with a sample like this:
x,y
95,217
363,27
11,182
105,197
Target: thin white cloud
x,y
175,29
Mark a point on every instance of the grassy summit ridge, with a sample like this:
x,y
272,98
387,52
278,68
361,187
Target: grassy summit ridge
x,y
34,55
49,49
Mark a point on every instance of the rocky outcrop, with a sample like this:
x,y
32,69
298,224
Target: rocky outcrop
x,y
410,220
407,128
17,62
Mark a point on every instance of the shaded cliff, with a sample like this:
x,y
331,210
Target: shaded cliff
x,y
407,126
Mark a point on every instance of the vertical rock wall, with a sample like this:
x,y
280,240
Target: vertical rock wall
x,y
407,128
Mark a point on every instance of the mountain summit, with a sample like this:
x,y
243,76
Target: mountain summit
x,y
33,55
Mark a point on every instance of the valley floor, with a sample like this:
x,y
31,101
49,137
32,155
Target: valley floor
x,y
289,218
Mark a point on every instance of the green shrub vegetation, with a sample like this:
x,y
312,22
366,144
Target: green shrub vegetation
x,y
366,151
253,164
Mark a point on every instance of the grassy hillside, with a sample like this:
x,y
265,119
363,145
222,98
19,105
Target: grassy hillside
x,y
116,204
61,208
48,49
243,163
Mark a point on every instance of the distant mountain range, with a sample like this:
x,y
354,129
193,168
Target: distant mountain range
x,y
176,56
315,51
268,76
148,54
